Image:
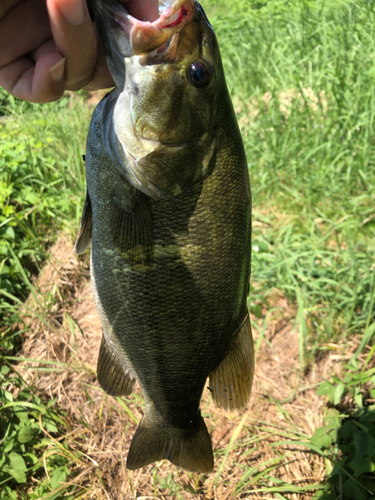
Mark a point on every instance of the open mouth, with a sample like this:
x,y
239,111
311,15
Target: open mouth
x,y
146,36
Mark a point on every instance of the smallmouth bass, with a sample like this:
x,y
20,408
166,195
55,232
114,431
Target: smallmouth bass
x,y
168,216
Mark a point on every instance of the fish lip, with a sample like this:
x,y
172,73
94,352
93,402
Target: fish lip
x,y
146,37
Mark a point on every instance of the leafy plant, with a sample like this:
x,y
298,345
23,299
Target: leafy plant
x,y
27,425
10,105
348,432
41,192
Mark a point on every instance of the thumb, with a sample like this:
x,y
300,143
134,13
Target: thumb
x,y
75,38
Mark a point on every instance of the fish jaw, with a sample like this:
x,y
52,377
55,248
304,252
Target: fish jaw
x,y
146,36
125,36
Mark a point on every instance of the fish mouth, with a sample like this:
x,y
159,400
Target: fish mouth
x,y
152,38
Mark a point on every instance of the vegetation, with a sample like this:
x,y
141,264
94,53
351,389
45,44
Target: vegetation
x,y
41,185
349,440
301,74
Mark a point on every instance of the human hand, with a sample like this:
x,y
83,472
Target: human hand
x,y
49,46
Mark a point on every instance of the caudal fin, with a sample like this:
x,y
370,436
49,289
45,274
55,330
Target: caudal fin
x,y
192,451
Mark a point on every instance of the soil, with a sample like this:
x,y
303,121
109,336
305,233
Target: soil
x,y
283,404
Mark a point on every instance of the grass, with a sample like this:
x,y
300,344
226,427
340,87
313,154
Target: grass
x,y
41,184
301,74
304,90
303,85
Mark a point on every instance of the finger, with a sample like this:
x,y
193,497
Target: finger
x,y
24,28
101,77
6,5
74,34
42,82
48,46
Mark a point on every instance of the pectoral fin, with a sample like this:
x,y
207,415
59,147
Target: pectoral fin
x,y
133,230
85,227
232,380
113,375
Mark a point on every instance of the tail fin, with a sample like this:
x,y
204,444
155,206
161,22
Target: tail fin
x,y
191,451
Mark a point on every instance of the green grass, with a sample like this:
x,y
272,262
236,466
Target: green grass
x,y
28,449
308,67
41,186
302,78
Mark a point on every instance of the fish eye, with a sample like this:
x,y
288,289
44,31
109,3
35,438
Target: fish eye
x,y
200,74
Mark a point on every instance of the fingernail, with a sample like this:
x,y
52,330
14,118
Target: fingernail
x,y
57,71
73,11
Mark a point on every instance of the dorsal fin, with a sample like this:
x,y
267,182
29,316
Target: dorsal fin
x,y
85,227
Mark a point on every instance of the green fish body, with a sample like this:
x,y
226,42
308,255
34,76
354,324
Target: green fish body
x,y
168,215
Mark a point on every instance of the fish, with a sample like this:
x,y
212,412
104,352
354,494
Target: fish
x,y
168,217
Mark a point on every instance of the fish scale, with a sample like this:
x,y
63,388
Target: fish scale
x,y
170,272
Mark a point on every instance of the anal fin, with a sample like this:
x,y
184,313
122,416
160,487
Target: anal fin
x,y
113,375
85,227
231,381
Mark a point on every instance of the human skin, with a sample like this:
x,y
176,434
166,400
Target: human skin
x,y
49,46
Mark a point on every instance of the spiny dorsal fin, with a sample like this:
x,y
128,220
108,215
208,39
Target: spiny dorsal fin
x,y
192,451
85,227
113,375
133,232
231,382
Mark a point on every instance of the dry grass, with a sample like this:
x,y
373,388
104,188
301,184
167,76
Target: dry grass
x,y
283,403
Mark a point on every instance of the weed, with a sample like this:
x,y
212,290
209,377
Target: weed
x,y
26,424
41,185
301,74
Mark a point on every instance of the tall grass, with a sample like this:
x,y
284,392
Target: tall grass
x,y
302,78
301,74
41,192
41,186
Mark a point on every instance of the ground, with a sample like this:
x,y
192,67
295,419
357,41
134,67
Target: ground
x,y
283,404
